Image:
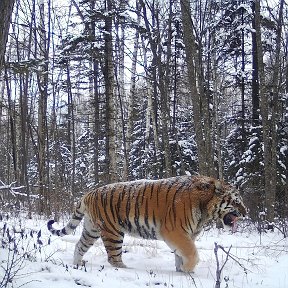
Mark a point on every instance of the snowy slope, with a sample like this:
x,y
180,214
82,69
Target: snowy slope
x,y
258,261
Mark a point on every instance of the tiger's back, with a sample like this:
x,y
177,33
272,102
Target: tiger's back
x,y
146,208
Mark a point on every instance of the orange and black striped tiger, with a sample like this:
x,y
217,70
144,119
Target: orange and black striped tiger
x,y
173,210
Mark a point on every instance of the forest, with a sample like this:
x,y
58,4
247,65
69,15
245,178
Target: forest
x,y
100,91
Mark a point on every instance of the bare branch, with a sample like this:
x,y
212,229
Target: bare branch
x,y
228,255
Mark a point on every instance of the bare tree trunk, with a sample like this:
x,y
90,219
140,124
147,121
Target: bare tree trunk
x,y
263,104
164,93
243,82
120,73
269,116
175,98
255,80
112,175
24,116
199,99
213,76
6,9
151,116
131,99
95,101
71,130
96,121
216,123
42,110
275,115
159,71
11,111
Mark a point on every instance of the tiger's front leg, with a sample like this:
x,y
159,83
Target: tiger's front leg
x,y
186,254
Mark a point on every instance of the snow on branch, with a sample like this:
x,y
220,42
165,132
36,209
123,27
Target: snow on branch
x,y
11,189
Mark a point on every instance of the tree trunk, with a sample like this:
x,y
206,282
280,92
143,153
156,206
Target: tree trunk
x,y
6,9
154,40
24,115
95,101
112,175
71,130
164,82
255,78
152,98
199,100
150,118
96,121
243,106
268,114
43,47
11,112
276,82
120,78
131,99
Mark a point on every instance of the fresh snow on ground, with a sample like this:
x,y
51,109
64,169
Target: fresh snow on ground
x,y
255,260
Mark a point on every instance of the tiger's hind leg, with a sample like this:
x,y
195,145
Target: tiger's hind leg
x,y
113,245
89,235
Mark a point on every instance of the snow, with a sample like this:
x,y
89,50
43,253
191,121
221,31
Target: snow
x,y
252,140
82,165
283,149
260,260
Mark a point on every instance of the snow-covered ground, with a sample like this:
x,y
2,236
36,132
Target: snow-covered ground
x,y
254,260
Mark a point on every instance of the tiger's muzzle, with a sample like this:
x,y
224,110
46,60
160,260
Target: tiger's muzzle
x,y
230,218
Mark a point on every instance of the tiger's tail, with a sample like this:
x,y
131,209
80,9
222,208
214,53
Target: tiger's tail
x,y
76,218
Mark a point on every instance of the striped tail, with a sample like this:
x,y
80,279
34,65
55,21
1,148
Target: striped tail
x,y
76,218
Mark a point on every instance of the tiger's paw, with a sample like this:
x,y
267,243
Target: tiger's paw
x,y
118,264
178,262
186,265
80,264
185,269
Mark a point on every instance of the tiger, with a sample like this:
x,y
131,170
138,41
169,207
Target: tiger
x,y
174,210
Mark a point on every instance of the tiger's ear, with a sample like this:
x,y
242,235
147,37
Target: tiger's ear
x,y
218,187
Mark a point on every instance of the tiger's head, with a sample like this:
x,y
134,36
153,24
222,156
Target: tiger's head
x,y
229,206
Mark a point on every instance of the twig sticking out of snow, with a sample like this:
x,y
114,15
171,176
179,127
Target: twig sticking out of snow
x,y
192,278
218,269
